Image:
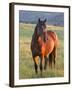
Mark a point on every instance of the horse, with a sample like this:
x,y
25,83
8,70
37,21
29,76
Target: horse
x,y
43,44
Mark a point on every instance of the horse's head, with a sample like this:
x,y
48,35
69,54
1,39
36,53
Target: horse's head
x,y
40,27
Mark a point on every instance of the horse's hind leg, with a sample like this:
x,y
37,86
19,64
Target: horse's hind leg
x,y
50,59
45,66
36,64
54,55
41,67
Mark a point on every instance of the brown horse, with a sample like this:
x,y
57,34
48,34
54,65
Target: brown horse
x,y
43,44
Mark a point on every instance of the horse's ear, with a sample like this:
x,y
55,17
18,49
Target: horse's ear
x,y
45,20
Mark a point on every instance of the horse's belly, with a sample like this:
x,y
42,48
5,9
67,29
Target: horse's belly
x,y
49,47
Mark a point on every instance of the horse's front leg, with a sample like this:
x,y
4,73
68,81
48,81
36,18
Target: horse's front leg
x,y
36,64
41,63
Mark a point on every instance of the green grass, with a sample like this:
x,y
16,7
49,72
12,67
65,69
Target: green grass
x,y
26,64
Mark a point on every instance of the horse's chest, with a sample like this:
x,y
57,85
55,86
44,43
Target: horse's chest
x,y
43,48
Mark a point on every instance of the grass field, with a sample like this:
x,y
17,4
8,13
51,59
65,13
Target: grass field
x,y
26,64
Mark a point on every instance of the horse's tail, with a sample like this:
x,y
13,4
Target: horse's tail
x,y
57,43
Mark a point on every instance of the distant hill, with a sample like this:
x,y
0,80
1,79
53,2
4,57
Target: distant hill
x,y
53,18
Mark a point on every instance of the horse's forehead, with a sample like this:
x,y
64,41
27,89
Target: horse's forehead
x,y
42,22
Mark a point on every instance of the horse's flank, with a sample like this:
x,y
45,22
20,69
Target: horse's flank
x,y
54,37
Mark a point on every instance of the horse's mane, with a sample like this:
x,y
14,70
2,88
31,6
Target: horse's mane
x,y
35,33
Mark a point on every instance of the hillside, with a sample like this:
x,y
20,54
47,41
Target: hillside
x,y
53,18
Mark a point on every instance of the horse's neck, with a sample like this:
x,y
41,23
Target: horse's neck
x,y
35,30
35,36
